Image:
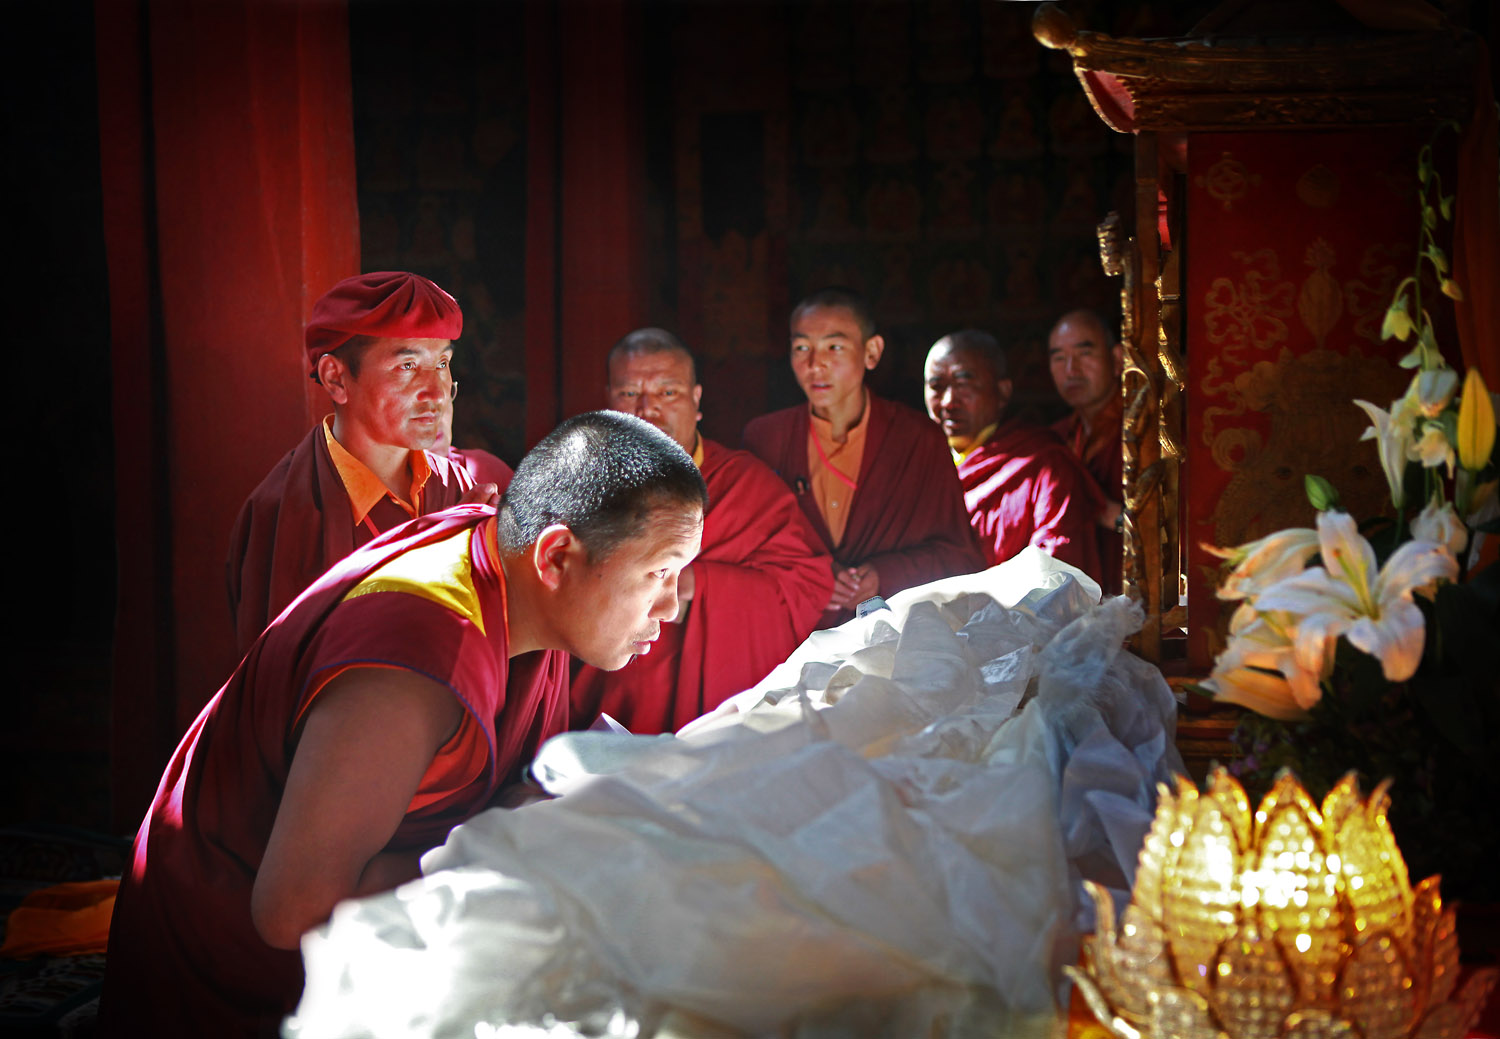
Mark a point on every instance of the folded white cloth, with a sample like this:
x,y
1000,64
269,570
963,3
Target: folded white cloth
x,y
886,837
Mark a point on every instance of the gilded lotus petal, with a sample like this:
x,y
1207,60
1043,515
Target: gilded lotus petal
x,y
1135,958
1375,990
1288,883
1293,923
1426,913
1342,801
1231,796
1099,1006
1318,1024
1444,971
1252,988
1379,895
1476,993
1182,1014
1446,1021
1201,909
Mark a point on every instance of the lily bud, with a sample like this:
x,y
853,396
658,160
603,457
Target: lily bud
x,y
1476,423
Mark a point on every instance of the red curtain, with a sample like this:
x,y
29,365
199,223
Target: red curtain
x,y
229,206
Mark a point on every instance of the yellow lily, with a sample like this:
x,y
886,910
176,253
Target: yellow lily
x,y
1476,423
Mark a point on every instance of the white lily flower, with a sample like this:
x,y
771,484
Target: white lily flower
x,y
1433,448
1431,389
1441,524
1259,669
1266,561
1393,436
1346,596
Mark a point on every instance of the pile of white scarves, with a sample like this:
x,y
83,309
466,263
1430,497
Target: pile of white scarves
x,y
886,837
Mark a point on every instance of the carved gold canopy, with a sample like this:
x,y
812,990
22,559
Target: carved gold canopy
x,y
1225,82
1260,68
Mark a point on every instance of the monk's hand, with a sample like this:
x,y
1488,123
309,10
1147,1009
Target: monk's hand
x,y
482,494
852,585
687,585
869,583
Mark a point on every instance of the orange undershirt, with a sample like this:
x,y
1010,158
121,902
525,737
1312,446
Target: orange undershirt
x,y
833,483
365,488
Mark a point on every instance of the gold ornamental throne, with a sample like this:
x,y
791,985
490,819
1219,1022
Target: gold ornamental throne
x,y
1275,210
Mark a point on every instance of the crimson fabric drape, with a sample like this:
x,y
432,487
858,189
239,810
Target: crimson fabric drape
x,y
227,157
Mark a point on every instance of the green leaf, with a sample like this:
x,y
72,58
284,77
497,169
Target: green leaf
x,y
1413,359
1320,492
1438,257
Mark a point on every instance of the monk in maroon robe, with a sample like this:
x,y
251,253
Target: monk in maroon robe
x,y
380,344
481,465
1021,484
758,586
391,702
1086,361
873,477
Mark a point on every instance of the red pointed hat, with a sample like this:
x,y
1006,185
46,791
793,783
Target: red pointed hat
x,y
384,304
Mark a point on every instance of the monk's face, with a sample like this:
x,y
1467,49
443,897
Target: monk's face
x,y
963,393
1086,363
830,357
659,388
398,399
612,609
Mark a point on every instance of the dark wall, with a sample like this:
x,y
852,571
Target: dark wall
x,y
440,131
928,152
54,740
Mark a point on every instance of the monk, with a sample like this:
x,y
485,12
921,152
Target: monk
x,y
408,686
380,345
481,465
1022,486
757,588
873,477
1086,361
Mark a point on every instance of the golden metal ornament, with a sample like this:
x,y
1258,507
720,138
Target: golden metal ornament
x,y
1292,922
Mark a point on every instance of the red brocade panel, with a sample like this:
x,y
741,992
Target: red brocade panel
x,y
1295,242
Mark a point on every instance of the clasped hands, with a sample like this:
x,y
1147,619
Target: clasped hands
x,y
852,585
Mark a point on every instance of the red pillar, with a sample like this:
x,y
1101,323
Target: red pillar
x,y
588,160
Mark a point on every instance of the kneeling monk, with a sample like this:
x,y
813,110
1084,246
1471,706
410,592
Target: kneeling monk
x,y
395,698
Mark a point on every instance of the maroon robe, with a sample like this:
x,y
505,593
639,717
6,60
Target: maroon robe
x,y
907,517
185,958
1023,487
1104,458
761,579
297,524
482,466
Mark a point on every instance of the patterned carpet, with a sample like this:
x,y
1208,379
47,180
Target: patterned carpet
x,y
51,995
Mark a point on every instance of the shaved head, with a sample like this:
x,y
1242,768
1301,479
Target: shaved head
x,y
646,341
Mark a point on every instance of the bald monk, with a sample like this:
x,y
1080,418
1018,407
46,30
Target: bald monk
x,y
757,588
380,345
1022,486
1086,362
393,701
873,477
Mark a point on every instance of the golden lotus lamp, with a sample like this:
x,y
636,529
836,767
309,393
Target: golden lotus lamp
x,y
1292,922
